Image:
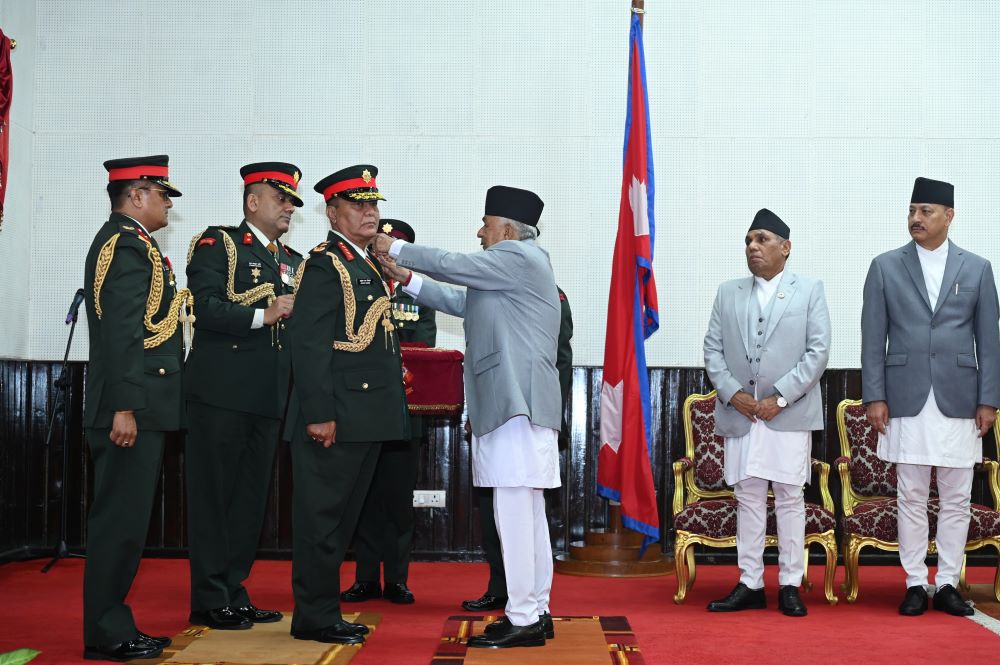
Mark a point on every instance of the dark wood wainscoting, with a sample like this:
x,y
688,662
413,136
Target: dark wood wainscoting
x,y
31,473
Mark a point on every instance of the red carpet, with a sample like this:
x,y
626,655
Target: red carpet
x,y
45,612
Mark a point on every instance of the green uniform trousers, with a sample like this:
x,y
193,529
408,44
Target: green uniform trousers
x,y
330,486
385,528
228,460
124,486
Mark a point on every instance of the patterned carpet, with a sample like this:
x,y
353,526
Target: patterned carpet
x,y
580,640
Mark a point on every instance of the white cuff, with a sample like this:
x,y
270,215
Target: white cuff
x,y
258,319
416,281
396,247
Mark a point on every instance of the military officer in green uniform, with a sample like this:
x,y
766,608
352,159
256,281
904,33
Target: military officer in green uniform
x,y
237,382
385,529
133,396
495,597
348,398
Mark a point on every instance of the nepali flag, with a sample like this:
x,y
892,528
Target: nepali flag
x,y
624,472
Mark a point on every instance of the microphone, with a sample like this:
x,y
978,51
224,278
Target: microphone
x,y
75,307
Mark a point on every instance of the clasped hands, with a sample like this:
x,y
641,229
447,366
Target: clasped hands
x,y
380,248
765,409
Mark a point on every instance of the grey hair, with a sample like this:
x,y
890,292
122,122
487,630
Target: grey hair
x,y
524,231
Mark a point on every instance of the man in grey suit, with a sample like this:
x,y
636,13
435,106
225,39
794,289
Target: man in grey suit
x,y
511,311
933,392
767,345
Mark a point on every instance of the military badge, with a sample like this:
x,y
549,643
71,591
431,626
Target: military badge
x,y
247,238
366,175
206,241
286,273
255,273
387,228
345,251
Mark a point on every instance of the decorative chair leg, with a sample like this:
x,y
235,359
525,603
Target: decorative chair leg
x,y
852,549
830,547
963,584
692,569
806,584
996,577
680,566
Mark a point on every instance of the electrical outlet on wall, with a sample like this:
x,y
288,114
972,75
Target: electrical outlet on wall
x,y
428,499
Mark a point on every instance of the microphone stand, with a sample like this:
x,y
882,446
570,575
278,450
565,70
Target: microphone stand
x,y
59,406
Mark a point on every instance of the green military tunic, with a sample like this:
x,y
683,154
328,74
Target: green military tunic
x,y
385,528
236,384
484,495
346,368
136,354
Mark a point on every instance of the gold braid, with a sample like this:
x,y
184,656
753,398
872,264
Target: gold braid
x,y
366,332
165,328
252,295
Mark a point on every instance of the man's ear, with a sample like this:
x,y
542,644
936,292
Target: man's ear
x,y
253,203
331,213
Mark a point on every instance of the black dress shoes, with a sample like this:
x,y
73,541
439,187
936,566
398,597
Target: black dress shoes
x,y
342,632
162,642
398,593
790,602
946,599
503,622
486,602
510,635
361,591
254,614
915,602
137,648
221,618
740,598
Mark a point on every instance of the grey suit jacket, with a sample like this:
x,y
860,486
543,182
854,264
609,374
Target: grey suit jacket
x,y
953,345
511,310
793,353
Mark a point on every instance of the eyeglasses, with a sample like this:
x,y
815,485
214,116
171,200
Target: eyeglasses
x,y
163,193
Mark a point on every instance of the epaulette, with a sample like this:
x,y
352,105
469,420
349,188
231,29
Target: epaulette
x,y
289,250
133,230
320,248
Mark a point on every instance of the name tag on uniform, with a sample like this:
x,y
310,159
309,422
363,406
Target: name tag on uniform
x,y
254,264
364,281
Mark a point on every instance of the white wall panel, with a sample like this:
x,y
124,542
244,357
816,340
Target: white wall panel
x,y
823,112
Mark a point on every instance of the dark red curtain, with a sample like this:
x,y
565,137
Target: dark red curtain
x,y
6,91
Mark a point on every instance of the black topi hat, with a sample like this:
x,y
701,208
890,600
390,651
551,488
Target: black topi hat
x,y
926,190
519,205
768,221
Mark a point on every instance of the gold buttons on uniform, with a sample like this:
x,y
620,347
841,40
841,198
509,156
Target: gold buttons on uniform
x,y
235,347
282,326
369,297
162,371
364,386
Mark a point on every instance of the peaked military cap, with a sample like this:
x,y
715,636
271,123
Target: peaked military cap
x,y
397,228
768,221
152,168
519,205
355,183
926,190
280,175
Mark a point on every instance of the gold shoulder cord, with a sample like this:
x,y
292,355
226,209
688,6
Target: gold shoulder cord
x,y
165,328
366,332
250,296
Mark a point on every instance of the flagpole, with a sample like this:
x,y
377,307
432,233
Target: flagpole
x,y
614,551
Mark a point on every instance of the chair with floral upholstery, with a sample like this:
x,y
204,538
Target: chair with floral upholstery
x,y
708,515
868,493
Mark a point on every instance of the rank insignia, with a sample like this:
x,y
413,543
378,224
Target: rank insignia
x,y
206,241
345,251
320,247
247,238
387,228
366,175
255,273
295,178
128,228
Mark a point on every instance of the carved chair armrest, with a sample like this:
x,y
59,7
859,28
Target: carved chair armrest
x,y
992,470
846,491
824,482
681,466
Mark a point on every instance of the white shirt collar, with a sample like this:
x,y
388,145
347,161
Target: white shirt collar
x,y
260,235
940,252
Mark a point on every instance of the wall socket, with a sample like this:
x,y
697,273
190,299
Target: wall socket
x,y
428,498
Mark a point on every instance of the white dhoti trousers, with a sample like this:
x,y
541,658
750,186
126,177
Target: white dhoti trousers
x,y
751,527
527,551
954,491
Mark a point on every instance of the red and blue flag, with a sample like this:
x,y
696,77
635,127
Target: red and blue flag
x,y
624,471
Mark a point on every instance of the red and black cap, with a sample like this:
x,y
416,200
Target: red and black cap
x,y
397,228
280,175
355,183
152,168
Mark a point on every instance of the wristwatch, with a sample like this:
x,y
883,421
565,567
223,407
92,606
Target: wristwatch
x,y
782,402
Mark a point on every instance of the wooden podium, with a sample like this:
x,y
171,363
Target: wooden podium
x,y
613,552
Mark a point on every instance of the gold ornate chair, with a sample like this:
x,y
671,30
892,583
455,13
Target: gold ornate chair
x,y
708,515
868,495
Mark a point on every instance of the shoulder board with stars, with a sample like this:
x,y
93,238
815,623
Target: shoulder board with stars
x,y
319,249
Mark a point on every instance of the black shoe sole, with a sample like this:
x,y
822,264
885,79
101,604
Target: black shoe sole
x,y
272,620
93,654
528,643
208,624
736,609
349,640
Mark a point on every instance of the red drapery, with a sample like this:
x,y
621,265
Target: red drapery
x,y
6,91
